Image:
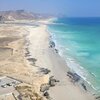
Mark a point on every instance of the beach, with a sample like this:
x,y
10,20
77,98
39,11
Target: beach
x,y
34,44
48,58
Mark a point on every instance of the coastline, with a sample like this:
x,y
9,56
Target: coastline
x,y
48,58
34,62
71,63
77,52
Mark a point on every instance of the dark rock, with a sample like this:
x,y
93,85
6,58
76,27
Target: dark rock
x,y
70,74
27,54
52,81
46,93
56,50
44,87
84,86
74,76
45,70
98,97
51,77
32,59
52,44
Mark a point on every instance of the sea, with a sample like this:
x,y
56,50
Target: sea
x,y
78,42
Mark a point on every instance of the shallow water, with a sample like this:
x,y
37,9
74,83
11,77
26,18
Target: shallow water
x,y
78,40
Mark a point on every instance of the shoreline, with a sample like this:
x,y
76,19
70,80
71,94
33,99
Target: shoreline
x,y
82,79
65,70
70,62
58,67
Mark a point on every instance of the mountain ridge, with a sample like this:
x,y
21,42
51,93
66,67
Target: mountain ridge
x,y
21,15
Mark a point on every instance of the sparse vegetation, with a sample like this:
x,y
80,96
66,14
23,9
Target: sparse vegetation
x,y
28,93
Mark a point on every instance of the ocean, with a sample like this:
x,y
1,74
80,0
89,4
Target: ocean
x,y
78,42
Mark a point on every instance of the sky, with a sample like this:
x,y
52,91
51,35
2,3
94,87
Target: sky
x,y
70,8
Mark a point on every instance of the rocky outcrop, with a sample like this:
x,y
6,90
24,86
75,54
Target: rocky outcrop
x,y
45,87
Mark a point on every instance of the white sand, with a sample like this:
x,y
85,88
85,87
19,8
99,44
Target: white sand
x,y
47,58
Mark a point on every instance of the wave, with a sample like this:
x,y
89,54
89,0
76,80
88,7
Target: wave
x,y
72,63
56,31
81,54
59,24
81,71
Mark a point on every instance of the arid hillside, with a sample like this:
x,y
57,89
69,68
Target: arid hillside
x,y
20,15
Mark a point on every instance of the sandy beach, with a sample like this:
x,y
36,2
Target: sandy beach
x,y
34,43
48,58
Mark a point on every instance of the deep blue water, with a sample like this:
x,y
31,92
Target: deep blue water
x,y
78,41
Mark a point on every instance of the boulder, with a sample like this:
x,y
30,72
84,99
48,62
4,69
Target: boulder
x,y
52,81
44,87
45,70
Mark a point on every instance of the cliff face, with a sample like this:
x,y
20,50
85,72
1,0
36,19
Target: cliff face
x,y
20,15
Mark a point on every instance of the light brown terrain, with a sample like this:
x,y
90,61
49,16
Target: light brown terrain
x,y
13,61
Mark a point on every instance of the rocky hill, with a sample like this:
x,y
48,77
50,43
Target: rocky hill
x,y
20,15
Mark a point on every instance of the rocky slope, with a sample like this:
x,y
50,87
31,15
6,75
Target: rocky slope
x,y
20,15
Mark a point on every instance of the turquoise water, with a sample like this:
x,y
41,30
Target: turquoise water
x,y
78,41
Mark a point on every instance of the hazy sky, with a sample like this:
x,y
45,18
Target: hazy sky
x,y
68,7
